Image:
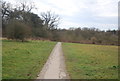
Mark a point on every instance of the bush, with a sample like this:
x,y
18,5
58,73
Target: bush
x,y
17,30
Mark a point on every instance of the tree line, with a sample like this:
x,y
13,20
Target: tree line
x,y
20,23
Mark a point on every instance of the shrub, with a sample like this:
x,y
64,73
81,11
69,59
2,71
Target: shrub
x,y
17,30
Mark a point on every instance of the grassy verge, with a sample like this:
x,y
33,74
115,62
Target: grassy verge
x,y
24,60
85,61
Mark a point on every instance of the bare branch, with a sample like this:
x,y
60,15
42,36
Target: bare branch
x,y
51,20
25,6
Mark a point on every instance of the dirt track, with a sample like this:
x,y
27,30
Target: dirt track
x,y
55,65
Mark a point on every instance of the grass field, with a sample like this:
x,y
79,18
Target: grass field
x,y
87,61
24,60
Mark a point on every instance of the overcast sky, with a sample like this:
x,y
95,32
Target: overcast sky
x,y
102,14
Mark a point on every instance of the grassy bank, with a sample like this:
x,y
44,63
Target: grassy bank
x,y
87,61
24,60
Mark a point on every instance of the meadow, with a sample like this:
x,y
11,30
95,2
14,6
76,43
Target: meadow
x,y
24,60
87,61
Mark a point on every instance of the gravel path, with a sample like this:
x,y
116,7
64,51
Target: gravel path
x,y
55,65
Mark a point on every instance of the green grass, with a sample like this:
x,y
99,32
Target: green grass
x,y
87,61
24,60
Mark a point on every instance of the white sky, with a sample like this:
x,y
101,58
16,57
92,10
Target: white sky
x,y
102,14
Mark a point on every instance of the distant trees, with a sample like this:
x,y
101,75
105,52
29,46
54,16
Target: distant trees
x,y
19,23
41,27
19,13
88,35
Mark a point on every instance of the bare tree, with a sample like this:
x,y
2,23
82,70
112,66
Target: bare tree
x,y
8,12
25,6
5,8
51,20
